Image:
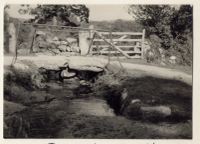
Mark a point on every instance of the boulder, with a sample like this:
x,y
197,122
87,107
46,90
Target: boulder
x,y
172,57
57,51
156,111
71,40
56,42
69,49
55,39
84,83
40,33
43,44
67,74
135,101
64,43
75,49
63,48
37,80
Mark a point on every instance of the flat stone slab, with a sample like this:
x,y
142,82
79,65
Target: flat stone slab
x,y
84,63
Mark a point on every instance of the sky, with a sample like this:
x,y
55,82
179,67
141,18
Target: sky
x,y
97,12
109,12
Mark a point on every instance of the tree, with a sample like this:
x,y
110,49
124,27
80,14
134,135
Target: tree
x,y
173,26
182,21
156,20
6,34
68,15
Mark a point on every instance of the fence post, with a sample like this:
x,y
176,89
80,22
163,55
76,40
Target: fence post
x,y
12,38
142,44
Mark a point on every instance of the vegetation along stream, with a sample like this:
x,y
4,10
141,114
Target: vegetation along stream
x,y
97,106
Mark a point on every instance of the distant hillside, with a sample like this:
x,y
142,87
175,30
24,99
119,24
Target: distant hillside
x,y
118,25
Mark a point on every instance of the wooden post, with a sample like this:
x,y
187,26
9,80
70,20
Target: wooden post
x,y
12,38
142,44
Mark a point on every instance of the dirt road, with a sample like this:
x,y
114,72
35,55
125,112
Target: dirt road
x,y
157,71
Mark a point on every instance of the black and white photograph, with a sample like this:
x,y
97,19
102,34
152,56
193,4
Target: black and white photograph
x,y
98,71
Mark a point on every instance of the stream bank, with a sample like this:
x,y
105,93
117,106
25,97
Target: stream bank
x,y
107,106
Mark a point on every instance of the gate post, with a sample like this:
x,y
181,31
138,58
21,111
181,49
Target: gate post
x,y
84,40
142,44
12,38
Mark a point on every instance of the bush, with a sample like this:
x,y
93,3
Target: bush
x,y
171,26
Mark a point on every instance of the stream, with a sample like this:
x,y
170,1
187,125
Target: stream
x,y
70,99
79,99
74,110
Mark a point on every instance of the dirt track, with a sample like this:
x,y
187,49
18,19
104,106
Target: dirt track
x,y
158,71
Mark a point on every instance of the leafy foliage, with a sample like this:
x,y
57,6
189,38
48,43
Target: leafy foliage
x,y
156,19
182,21
172,25
6,25
71,15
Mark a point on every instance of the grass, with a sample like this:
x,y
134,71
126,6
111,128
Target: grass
x,y
116,127
151,91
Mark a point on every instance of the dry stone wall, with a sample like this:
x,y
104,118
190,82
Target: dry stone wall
x,y
55,43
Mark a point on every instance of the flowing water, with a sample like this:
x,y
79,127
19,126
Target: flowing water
x,y
79,99
70,98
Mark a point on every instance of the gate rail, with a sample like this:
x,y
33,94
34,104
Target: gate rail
x,y
129,44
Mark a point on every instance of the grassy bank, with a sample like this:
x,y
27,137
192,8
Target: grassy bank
x,y
41,118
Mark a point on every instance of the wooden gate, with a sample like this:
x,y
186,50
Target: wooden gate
x,y
122,44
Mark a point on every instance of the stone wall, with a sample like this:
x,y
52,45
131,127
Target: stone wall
x,y
55,43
